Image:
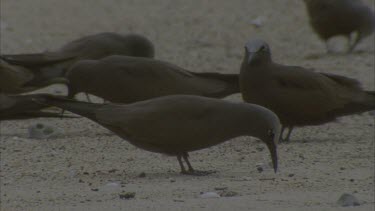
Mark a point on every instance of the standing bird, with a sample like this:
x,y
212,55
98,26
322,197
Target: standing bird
x,y
41,68
124,79
178,124
297,95
330,18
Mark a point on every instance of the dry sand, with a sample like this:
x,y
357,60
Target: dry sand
x,y
86,167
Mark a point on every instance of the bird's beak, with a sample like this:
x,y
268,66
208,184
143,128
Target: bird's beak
x,y
273,150
250,57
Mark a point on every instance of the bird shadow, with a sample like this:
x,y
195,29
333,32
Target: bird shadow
x,y
311,140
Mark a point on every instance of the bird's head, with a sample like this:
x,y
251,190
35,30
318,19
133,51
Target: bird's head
x,y
271,139
257,52
265,125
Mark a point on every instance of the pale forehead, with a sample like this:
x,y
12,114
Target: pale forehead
x,y
255,45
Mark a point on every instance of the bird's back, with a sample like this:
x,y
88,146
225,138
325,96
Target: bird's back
x,y
300,96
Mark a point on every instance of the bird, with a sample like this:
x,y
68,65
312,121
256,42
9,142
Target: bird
x,y
124,79
178,124
50,67
13,77
299,96
330,18
17,107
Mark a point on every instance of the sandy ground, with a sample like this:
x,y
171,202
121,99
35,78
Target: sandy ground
x,y
86,167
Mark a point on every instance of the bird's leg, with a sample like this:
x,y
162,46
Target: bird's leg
x,y
186,156
88,97
329,50
183,170
287,137
62,113
191,171
356,41
282,133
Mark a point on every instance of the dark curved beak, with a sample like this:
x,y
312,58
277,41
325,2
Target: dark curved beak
x,y
250,57
272,147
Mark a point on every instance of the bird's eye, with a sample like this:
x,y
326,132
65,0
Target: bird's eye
x,y
263,48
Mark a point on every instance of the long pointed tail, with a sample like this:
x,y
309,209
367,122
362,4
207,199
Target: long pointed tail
x,y
81,108
232,80
34,114
366,104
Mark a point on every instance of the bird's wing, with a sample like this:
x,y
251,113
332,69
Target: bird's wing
x,y
303,92
156,122
344,81
38,59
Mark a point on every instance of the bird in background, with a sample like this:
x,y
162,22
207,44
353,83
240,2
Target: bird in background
x,y
330,18
299,96
124,79
33,71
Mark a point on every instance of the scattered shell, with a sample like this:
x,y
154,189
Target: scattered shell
x,y
111,186
208,195
348,200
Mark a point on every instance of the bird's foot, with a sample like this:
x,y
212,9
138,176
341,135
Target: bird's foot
x,y
283,140
198,173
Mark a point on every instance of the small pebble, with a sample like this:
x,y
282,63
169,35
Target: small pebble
x,y
208,195
291,175
348,200
127,195
112,184
141,175
172,180
258,21
94,189
221,188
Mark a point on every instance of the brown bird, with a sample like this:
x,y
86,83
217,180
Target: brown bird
x,y
123,79
178,124
297,95
41,68
15,107
330,18
12,79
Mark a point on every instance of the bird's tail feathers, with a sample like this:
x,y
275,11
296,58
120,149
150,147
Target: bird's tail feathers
x,y
81,108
